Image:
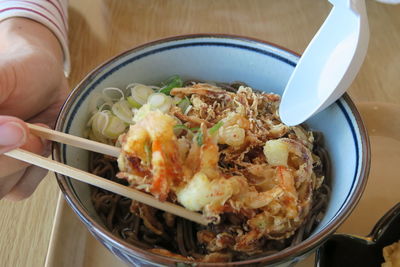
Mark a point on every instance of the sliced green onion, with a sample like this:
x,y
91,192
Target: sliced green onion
x,y
157,100
107,104
177,130
99,122
184,104
114,93
147,150
188,109
114,128
181,126
182,100
199,138
122,110
215,128
140,93
171,83
160,101
105,126
132,102
97,137
177,100
97,99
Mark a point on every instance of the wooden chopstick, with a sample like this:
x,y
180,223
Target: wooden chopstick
x,y
105,184
73,140
91,178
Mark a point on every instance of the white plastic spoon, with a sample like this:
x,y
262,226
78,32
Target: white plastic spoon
x,y
329,63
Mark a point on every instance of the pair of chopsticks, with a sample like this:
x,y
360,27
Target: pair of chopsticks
x,y
92,179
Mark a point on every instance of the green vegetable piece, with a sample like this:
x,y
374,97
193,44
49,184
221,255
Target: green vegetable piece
x,y
147,149
181,126
184,104
215,128
160,101
182,100
199,138
171,83
132,102
140,93
122,110
184,127
114,128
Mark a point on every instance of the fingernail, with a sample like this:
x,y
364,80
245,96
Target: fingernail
x,y
12,134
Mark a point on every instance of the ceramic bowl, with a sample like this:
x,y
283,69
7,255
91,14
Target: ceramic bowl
x,y
222,58
351,250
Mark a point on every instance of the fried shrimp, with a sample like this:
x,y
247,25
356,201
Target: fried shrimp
x,y
150,148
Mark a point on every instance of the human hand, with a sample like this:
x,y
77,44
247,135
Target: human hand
x,y
32,87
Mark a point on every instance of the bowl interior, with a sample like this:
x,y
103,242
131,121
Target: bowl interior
x,y
225,59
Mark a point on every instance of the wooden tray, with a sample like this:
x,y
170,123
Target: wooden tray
x,y
72,245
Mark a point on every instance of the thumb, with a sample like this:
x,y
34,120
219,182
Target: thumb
x,y
13,133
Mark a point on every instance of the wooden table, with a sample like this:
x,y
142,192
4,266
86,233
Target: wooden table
x,y
103,28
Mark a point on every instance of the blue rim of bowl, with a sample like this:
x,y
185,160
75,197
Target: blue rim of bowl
x,y
289,253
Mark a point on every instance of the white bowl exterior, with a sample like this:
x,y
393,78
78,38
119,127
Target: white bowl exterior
x,y
260,65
